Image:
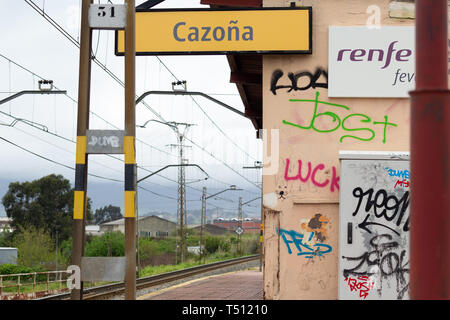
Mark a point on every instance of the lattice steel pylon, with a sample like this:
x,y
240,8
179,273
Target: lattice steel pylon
x,y
181,196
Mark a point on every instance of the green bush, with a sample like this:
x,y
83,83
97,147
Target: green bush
x,y
212,244
110,244
35,248
225,245
6,239
15,269
148,248
65,249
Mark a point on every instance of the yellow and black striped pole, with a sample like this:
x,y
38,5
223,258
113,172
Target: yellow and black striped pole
x,y
129,146
80,199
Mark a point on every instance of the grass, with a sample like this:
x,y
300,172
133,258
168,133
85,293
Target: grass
x,y
154,270
27,287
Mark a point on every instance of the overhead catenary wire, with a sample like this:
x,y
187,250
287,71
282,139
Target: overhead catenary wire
x,y
75,101
106,121
45,129
115,78
72,168
75,42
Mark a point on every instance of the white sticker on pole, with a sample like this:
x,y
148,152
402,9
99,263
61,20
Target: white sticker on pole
x,y
108,16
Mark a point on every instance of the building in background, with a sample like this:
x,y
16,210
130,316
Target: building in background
x,y
5,224
250,226
93,230
149,226
211,229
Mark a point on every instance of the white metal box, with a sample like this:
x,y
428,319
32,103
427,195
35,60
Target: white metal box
x,y
374,226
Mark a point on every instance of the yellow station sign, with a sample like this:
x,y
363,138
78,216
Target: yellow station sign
x,y
216,31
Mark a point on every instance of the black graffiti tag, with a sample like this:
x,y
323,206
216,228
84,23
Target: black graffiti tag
x,y
312,80
391,206
384,261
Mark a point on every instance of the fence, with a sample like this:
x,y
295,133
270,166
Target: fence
x,y
32,285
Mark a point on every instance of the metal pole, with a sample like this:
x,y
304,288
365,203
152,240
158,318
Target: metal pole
x,y
240,225
138,236
80,198
261,233
202,247
130,156
430,156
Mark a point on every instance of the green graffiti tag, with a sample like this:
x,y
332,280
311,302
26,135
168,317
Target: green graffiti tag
x,y
341,123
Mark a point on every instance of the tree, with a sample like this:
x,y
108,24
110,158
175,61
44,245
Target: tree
x,y
34,248
106,214
46,203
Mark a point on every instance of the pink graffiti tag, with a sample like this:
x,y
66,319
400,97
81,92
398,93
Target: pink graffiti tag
x,y
364,285
311,175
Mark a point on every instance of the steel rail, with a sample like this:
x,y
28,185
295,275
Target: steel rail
x,y
150,281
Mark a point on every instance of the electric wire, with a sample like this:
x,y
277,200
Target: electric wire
x,y
112,125
75,42
102,66
72,168
109,155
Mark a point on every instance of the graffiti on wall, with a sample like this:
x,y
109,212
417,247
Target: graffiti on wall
x,y
385,208
374,224
362,133
310,242
403,174
361,285
310,175
386,260
299,81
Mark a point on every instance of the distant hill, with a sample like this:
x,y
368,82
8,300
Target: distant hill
x,y
104,194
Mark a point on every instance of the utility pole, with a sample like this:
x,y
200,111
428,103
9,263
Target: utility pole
x,y
111,17
152,174
204,198
181,194
130,155
240,225
203,223
430,154
81,169
258,165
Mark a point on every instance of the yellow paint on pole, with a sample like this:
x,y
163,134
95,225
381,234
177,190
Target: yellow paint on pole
x,y
263,30
81,150
128,149
78,204
130,197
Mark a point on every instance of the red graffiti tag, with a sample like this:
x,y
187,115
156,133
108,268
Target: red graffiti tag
x,y
364,285
311,175
402,183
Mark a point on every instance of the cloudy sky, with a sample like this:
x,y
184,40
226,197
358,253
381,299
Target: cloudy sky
x,y
32,48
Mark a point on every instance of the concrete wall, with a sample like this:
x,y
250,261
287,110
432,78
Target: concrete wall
x,y
155,224
112,228
8,255
312,205
151,224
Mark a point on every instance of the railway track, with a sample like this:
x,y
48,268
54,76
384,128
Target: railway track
x,y
115,289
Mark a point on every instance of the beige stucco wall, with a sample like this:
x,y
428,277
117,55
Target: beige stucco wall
x,y
289,276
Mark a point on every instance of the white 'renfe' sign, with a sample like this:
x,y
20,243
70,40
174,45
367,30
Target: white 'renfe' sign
x,y
367,62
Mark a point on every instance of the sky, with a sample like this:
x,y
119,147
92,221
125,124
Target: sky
x,y
38,131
